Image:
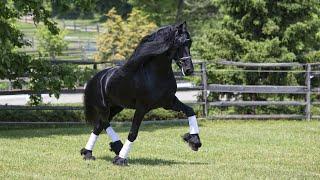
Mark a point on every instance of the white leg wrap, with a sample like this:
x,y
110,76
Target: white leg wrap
x,y
125,149
92,140
194,129
112,134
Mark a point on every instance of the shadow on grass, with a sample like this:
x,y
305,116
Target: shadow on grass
x,y
154,161
30,131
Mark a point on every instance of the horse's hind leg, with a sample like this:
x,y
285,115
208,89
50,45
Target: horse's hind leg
x,y
99,125
121,159
116,143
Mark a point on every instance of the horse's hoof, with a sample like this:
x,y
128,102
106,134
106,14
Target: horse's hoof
x,y
116,147
193,140
87,154
120,161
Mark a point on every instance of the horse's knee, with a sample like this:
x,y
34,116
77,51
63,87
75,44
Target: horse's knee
x,y
189,111
132,136
106,125
97,131
99,127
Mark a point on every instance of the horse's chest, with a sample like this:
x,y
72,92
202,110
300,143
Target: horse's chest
x,y
155,89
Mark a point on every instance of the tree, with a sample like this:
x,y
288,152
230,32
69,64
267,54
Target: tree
x,y
111,42
137,26
73,9
14,64
262,31
122,36
162,12
50,45
265,30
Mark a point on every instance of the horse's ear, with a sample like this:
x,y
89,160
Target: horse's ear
x,y
182,26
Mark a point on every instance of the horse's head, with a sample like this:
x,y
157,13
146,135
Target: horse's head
x,y
182,44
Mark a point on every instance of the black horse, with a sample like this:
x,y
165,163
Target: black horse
x,y
145,82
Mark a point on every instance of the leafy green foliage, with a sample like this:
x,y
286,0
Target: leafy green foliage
x,y
122,36
50,45
265,31
162,12
78,116
86,9
51,77
260,31
14,64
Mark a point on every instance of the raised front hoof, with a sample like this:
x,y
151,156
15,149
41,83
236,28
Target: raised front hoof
x,y
119,161
87,154
193,140
116,147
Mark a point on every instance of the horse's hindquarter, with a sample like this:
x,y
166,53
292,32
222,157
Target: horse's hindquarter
x,y
121,90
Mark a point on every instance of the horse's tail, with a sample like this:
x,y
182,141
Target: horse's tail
x,y
90,111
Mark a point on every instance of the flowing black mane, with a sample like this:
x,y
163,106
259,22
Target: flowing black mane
x,y
155,43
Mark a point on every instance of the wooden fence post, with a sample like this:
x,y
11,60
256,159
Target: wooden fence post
x,y
83,53
204,90
308,94
79,43
33,43
95,66
98,28
10,86
64,24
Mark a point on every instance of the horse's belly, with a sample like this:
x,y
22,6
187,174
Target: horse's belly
x,y
158,95
122,95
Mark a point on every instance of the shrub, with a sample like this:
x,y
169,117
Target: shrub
x,y
78,116
122,36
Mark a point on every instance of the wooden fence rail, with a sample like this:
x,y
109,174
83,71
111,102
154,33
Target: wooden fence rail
x,y
257,89
266,89
70,26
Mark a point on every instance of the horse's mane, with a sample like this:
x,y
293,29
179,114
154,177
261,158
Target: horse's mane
x,y
155,43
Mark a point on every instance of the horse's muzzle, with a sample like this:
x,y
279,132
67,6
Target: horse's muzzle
x,y
188,72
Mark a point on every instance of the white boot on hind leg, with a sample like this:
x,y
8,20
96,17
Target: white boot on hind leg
x,y
87,151
116,144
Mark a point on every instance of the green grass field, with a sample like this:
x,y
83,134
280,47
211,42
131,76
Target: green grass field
x,y
231,150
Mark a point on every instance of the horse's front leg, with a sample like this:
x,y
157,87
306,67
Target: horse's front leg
x,y
192,138
121,159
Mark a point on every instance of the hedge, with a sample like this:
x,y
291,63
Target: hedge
x,y
78,116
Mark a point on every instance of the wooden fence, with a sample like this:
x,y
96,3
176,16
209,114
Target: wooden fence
x,y
70,26
78,90
73,43
305,90
81,27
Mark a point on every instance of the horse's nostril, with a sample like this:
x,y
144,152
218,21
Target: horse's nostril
x,y
189,71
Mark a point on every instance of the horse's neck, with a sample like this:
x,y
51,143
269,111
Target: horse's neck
x,y
161,66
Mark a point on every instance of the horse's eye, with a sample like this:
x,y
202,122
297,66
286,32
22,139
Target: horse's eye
x,y
187,42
